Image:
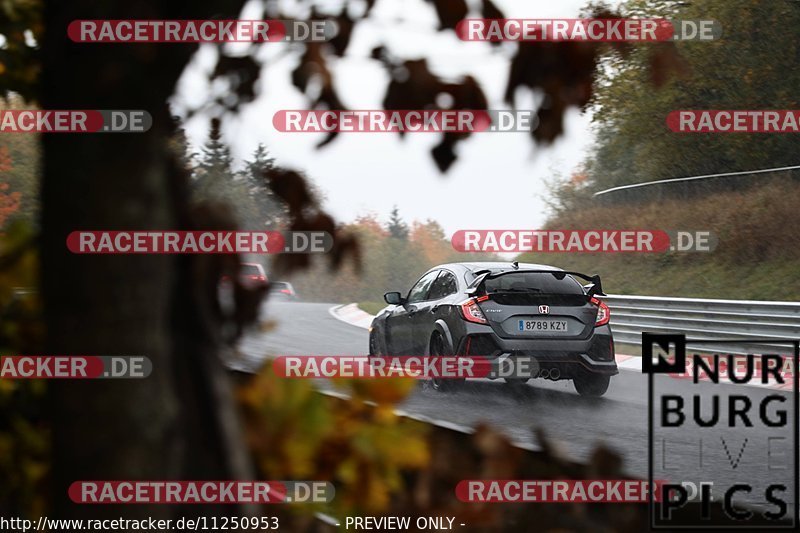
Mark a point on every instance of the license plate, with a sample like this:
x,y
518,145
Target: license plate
x,y
543,325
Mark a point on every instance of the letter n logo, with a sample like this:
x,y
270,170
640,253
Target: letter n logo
x,y
663,354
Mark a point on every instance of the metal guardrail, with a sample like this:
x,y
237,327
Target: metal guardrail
x,y
693,178
692,186
708,320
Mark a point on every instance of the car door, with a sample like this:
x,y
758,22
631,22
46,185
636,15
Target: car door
x,y
423,320
399,327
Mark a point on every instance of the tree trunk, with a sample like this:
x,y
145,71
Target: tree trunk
x,y
179,422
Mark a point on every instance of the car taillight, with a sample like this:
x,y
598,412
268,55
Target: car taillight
x,y
471,312
285,291
603,312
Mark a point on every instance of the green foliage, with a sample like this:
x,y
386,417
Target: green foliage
x,y
214,178
568,193
756,257
246,190
371,307
267,207
753,66
396,227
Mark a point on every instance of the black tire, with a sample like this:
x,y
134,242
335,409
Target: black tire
x,y
591,385
439,346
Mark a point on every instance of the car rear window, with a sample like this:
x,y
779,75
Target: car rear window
x,y
279,285
534,281
251,270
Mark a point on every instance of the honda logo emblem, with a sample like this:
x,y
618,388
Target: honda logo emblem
x,y
544,309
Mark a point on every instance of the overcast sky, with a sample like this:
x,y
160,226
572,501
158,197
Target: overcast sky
x,y
497,181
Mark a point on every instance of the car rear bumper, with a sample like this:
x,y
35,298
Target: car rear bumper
x,y
570,356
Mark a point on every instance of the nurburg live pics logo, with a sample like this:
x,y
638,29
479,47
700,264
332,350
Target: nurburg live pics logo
x,y
717,426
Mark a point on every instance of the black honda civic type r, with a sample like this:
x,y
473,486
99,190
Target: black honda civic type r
x,y
505,312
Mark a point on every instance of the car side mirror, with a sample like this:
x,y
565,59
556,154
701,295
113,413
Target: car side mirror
x,y
393,298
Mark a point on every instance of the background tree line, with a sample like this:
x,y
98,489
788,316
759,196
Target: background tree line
x,y
395,254
752,66
246,189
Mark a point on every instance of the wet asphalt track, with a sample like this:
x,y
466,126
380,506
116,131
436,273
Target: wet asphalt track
x,y
618,420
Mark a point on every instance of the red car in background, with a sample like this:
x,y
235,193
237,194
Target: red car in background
x,y
251,274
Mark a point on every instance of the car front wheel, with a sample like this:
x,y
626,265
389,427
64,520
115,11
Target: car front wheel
x,y
375,345
439,347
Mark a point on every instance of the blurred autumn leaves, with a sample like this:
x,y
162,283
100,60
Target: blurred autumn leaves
x,y
565,72
384,463
562,72
9,200
23,439
24,433
20,25
305,214
363,448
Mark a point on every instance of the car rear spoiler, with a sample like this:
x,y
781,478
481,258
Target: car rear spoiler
x,y
595,286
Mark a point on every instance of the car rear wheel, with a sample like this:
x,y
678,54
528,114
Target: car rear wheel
x,y
591,385
439,347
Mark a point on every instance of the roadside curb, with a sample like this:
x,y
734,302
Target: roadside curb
x,y
352,314
629,362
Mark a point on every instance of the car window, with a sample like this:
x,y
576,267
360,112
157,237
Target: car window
x,y
278,285
250,270
445,285
419,291
534,281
